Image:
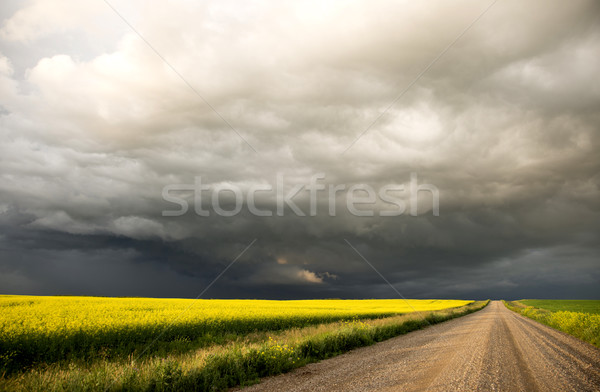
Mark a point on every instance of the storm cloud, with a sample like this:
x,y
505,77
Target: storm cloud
x,y
498,107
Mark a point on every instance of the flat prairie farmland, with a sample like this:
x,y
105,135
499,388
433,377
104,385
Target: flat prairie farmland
x,y
96,343
580,318
569,305
494,349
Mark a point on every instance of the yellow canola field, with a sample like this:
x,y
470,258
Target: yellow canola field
x,y
37,329
62,315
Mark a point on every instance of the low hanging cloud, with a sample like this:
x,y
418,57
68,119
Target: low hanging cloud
x,y
504,124
309,276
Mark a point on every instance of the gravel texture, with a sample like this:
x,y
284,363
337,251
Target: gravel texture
x,y
494,349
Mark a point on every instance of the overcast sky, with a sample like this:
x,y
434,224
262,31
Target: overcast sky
x,y
497,107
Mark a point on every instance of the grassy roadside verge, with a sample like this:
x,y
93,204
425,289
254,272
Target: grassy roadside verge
x,y
584,326
239,363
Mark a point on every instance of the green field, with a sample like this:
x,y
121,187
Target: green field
x,y
569,305
89,343
580,318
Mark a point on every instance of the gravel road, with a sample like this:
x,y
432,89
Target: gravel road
x,y
490,350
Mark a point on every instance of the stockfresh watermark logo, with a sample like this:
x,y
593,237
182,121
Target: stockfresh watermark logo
x,y
301,199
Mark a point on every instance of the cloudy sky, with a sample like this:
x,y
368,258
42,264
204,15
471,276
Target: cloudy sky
x,y
104,106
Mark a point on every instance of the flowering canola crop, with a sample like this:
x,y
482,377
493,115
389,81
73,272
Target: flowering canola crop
x,y
35,329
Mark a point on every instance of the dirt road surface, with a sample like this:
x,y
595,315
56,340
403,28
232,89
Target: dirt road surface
x,y
494,349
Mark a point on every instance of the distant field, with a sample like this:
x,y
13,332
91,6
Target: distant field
x,y
143,343
580,318
554,305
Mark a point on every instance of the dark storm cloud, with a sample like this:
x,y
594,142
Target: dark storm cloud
x,y
505,124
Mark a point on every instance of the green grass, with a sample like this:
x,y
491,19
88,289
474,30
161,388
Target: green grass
x,y
215,368
569,305
584,325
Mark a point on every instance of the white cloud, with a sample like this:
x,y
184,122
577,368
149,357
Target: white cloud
x,y
138,228
42,17
309,276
